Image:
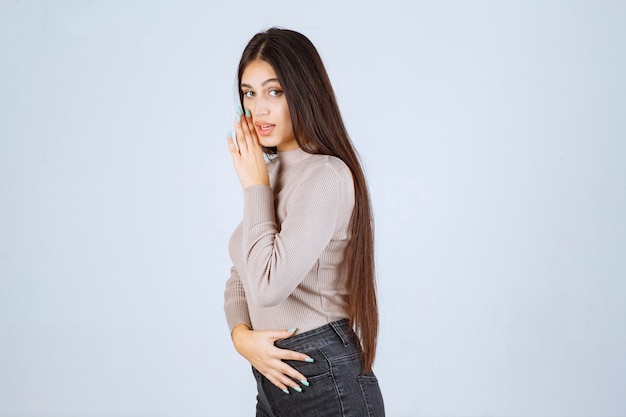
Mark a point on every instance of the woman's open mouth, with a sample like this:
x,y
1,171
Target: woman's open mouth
x,y
264,129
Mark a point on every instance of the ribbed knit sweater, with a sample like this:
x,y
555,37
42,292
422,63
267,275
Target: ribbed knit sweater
x,y
288,249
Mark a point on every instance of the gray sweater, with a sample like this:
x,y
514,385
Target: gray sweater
x,y
288,249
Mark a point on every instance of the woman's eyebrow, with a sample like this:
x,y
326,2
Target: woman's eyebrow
x,y
243,85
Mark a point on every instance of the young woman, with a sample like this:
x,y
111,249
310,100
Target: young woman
x,y
303,254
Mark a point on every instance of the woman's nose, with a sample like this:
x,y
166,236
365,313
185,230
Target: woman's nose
x,y
261,107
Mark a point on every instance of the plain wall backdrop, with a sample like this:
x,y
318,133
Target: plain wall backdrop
x,y
493,135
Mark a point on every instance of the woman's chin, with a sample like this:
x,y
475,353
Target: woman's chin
x,y
267,143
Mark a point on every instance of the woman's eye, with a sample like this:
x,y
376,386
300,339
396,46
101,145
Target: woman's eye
x,y
275,92
248,93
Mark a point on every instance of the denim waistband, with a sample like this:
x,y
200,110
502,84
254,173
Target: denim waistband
x,y
336,331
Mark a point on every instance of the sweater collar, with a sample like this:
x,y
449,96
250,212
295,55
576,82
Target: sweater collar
x,y
292,157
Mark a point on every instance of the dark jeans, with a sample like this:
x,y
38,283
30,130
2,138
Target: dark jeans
x,y
336,387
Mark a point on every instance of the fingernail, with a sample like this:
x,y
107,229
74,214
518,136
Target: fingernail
x,y
305,383
248,113
230,134
297,388
293,329
239,111
238,118
309,360
286,391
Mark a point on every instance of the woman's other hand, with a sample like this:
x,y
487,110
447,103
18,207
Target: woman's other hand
x,y
248,156
257,346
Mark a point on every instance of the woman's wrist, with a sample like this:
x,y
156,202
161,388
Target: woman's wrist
x,y
238,331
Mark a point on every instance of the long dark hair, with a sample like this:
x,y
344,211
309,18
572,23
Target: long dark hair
x,y
319,129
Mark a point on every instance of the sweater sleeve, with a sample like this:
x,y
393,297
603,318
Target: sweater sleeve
x,y
277,258
235,305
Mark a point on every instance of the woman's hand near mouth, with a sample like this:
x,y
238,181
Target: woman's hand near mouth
x,y
248,156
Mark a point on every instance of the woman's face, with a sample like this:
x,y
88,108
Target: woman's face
x,y
263,96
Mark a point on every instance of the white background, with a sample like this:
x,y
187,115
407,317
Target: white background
x,y
494,138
